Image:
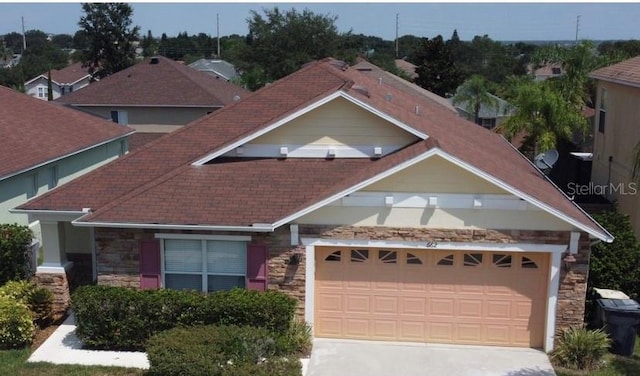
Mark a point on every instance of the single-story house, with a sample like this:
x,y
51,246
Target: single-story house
x,y
155,95
387,216
44,146
64,81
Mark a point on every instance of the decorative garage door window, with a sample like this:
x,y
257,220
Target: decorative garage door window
x,y
335,256
204,265
413,259
502,260
359,255
528,263
446,260
473,259
387,257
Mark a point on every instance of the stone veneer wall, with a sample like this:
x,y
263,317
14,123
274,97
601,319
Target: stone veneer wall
x,y
58,284
117,256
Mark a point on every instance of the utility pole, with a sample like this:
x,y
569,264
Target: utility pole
x,y
24,37
577,28
397,14
218,32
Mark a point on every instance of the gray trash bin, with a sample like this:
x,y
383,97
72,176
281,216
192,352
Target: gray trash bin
x,y
621,319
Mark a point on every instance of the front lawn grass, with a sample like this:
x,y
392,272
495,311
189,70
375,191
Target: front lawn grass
x,y
14,362
615,366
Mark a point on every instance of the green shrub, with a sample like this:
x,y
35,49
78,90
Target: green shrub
x,y
297,339
581,349
129,317
38,299
219,350
16,325
14,255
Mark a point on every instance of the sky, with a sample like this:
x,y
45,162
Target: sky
x,y
500,21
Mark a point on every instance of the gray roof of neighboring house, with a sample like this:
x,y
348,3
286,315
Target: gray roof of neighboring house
x,y
216,67
487,112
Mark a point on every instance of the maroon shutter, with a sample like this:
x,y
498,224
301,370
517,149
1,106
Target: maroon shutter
x,y
257,267
150,272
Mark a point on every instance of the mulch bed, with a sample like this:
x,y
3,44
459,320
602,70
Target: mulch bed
x,y
43,333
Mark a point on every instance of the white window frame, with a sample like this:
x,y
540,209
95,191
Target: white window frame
x,y
203,241
42,92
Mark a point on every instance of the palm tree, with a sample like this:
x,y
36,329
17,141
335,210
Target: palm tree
x,y
543,113
473,94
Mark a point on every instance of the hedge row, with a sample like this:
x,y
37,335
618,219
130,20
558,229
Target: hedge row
x,y
118,318
220,350
22,304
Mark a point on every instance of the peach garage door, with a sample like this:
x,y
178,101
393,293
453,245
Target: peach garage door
x,y
488,298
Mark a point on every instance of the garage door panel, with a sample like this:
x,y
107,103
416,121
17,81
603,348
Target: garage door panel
x,y
441,307
413,306
470,308
492,299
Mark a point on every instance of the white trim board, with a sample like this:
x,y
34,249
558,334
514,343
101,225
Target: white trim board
x,y
311,151
235,238
309,108
453,246
433,200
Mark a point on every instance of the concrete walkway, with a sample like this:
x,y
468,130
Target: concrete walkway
x,y
64,347
371,358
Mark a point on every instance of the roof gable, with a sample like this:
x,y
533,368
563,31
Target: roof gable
x,y
158,81
35,132
266,129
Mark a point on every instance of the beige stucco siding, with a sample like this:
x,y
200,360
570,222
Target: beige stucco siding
x,y
621,134
152,115
13,191
434,175
435,218
338,123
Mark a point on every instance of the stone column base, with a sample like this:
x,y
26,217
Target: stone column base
x,y
58,284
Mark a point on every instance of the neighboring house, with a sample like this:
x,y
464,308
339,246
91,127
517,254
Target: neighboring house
x,y
155,95
547,71
10,62
384,222
408,68
386,78
616,135
43,145
63,82
217,68
489,117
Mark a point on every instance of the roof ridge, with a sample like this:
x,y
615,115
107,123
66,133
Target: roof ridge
x,y
178,67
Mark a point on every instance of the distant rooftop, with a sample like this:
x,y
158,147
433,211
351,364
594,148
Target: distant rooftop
x,y
216,67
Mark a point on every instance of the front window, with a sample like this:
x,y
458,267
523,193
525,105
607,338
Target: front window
x,y
204,265
603,110
42,92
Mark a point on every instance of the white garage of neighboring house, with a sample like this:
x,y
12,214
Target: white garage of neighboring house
x,y
383,213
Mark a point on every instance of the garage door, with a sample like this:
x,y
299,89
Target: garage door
x,y
488,298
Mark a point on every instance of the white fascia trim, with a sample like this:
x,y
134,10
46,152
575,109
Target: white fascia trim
x,y
50,215
605,236
309,285
450,246
157,226
31,168
356,187
37,78
552,301
144,105
311,151
384,116
299,113
47,212
236,238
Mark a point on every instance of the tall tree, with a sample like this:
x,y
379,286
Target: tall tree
x,y
474,93
49,87
436,70
280,42
108,28
544,115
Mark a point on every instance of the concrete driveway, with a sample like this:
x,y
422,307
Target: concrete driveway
x,y
370,358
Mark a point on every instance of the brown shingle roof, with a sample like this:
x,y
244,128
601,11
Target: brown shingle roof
x,y
167,83
158,183
33,132
626,72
